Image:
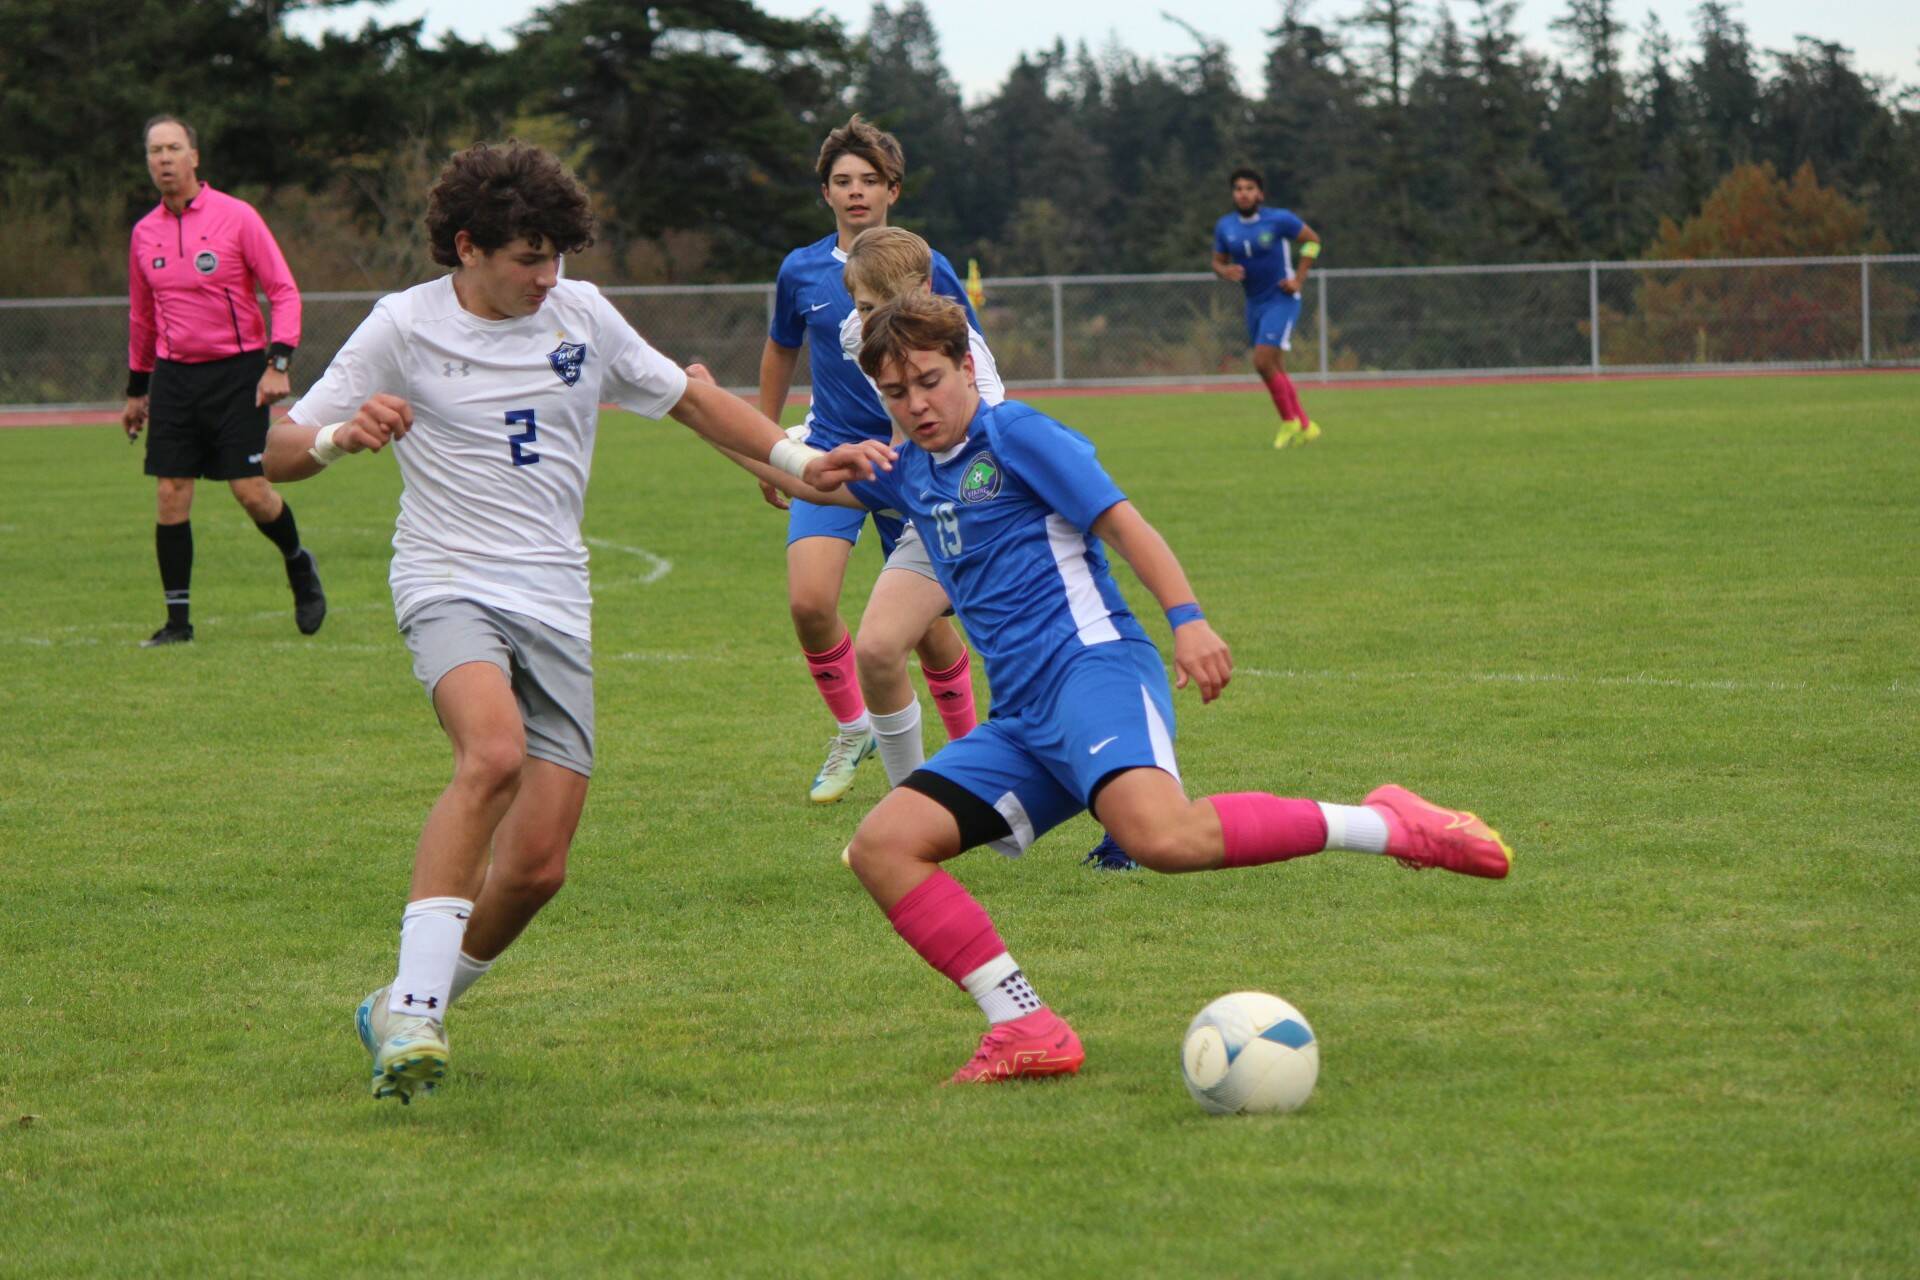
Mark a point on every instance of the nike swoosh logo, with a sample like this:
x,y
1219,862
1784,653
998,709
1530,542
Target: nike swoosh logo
x,y
816,306
254,457
1095,749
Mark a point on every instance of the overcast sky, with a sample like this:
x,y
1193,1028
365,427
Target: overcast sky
x,y
979,39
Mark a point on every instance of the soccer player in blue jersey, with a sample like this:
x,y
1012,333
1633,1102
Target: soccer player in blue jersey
x,y
1014,508
860,170
1253,246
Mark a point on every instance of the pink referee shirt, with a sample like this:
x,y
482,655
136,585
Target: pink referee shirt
x,y
191,283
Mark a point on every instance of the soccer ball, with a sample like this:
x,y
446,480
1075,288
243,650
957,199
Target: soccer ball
x,y
1247,1053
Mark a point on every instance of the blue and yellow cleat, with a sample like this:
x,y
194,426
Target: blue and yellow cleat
x,y
844,754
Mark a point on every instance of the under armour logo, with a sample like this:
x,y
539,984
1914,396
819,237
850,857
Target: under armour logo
x,y
431,1002
452,370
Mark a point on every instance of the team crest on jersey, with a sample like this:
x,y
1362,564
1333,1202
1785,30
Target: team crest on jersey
x,y
982,480
1266,239
206,261
566,360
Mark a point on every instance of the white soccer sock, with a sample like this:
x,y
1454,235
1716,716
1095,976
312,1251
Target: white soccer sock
x,y
902,749
862,723
466,972
1356,828
430,934
1001,990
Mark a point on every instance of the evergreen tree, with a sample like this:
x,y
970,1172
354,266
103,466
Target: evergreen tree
x,y
1725,87
701,116
902,85
1594,150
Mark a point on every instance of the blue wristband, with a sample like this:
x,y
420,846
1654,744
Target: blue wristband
x,y
1181,614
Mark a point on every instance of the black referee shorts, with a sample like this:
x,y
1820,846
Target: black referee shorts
x,y
202,421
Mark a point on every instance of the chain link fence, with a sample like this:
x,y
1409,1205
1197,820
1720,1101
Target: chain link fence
x,y
1357,323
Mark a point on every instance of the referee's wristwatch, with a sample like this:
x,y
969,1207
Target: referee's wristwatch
x,y
279,357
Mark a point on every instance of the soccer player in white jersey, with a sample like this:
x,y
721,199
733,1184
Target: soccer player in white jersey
x,y
488,382
1014,508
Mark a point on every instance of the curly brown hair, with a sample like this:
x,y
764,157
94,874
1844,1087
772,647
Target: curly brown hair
x,y
858,138
499,194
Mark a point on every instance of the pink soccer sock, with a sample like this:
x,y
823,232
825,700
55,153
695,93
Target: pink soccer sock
x,y
1285,398
950,930
952,692
1258,828
833,674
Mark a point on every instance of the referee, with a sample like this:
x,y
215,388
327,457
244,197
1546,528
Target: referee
x,y
200,367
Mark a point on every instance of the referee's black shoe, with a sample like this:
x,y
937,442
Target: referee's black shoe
x,y
169,634
309,601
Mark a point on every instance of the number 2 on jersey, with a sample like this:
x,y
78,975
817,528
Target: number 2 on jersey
x,y
523,457
943,515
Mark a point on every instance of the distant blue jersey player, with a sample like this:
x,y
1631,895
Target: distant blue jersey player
x,y
1016,512
1254,245
860,170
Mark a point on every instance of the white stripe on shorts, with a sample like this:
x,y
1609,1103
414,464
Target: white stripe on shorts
x,y
1010,808
1157,735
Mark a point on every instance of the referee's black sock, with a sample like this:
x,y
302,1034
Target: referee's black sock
x,y
173,543
282,531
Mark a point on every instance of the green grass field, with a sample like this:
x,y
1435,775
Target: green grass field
x,y
1661,633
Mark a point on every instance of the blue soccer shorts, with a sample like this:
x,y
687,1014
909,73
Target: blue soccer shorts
x,y
811,520
1110,710
1270,321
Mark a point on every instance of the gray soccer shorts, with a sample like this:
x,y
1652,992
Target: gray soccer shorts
x,y
909,552
551,672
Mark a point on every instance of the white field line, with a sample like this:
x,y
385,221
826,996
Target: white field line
x,y
657,567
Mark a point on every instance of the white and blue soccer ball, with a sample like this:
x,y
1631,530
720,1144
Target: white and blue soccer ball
x,y
1248,1053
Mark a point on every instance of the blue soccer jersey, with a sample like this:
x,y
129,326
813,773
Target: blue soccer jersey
x,y
811,301
1263,244
1005,517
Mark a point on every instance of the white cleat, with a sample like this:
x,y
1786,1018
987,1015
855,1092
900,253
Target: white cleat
x,y
844,754
409,1053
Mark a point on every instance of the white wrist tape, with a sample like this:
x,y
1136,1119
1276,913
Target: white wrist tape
x,y
324,450
792,457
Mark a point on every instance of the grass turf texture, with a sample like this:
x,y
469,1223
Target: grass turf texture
x,y
1660,633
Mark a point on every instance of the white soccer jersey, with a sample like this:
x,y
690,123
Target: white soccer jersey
x,y
986,374
504,414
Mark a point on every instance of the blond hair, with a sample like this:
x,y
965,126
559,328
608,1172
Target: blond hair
x,y
887,261
913,321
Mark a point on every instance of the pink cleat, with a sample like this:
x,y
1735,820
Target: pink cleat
x,y
1422,834
1036,1044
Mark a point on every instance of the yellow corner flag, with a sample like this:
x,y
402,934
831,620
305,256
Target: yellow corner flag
x,y
976,291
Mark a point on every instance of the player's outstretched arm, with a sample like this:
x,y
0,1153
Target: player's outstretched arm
x,y
1198,653
296,451
753,442
776,380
